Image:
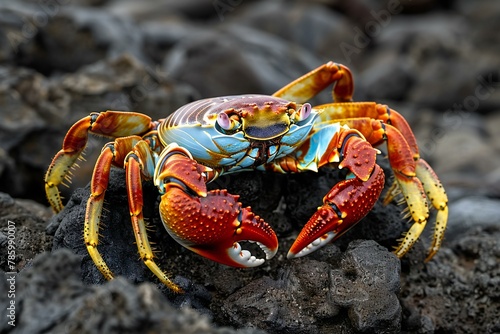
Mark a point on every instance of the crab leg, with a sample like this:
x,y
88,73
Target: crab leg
x,y
98,186
309,85
437,195
137,164
349,200
135,155
415,178
208,223
111,124
349,111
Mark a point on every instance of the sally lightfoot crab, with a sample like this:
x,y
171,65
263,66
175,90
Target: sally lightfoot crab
x,y
279,133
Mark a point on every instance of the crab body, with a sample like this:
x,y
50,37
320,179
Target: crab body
x,y
276,133
269,131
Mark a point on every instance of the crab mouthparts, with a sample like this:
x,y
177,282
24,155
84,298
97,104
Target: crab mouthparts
x,y
245,258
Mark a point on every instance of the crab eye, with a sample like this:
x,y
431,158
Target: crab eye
x,y
304,112
224,121
227,123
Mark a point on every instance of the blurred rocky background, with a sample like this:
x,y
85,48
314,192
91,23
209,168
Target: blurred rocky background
x,y
436,62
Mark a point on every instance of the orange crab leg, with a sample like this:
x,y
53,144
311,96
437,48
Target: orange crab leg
x,y
110,124
405,172
129,152
93,212
414,176
134,168
348,201
352,110
98,187
309,85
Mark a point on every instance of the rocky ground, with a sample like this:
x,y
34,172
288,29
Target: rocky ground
x,y
435,62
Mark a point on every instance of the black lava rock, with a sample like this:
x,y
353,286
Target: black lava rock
x,y
52,298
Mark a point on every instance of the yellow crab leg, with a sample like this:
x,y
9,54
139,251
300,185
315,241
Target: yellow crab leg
x,y
93,212
134,168
309,85
111,153
414,177
114,153
437,196
111,124
404,168
73,146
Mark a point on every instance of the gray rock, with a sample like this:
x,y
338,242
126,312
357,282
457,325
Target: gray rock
x,y
161,36
312,296
235,60
18,91
23,222
470,213
426,54
78,36
51,297
461,152
159,10
386,81
461,287
311,26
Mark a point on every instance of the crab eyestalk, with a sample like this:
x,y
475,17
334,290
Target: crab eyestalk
x,y
303,113
227,123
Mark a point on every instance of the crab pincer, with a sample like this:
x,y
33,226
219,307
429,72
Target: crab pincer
x,y
213,226
212,223
344,206
349,200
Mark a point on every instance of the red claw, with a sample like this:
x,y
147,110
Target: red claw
x,y
347,202
212,226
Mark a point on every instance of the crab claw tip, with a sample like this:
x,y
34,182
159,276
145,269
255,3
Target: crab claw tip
x,y
244,258
323,227
296,251
253,229
213,226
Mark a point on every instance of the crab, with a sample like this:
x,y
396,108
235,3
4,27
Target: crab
x,y
279,133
